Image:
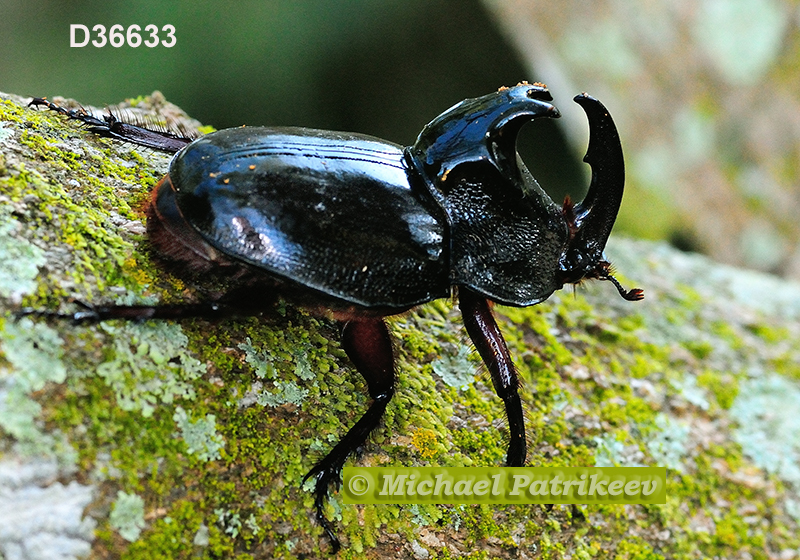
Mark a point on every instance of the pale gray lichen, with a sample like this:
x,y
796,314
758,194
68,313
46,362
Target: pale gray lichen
x,y
696,129
200,436
302,367
260,361
127,515
720,26
604,46
41,519
252,523
230,521
692,392
20,261
668,443
769,427
611,452
285,392
420,553
34,352
201,537
793,508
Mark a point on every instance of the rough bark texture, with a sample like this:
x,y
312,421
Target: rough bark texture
x,y
162,440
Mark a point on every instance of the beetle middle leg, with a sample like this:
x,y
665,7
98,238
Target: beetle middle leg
x,y
491,345
368,344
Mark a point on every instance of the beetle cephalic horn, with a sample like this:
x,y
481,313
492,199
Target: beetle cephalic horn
x,y
591,220
595,215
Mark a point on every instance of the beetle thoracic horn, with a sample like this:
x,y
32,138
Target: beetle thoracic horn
x,y
595,215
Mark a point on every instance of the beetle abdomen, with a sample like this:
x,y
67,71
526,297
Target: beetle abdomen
x,y
334,212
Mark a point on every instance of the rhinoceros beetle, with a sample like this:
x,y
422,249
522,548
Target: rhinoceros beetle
x,y
359,228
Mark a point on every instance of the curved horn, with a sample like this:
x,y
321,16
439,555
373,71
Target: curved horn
x,y
595,215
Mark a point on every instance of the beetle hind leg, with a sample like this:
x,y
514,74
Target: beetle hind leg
x,y
369,346
111,127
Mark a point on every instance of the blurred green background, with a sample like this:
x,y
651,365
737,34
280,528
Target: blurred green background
x,y
381,67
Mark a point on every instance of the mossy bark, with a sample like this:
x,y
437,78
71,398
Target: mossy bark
x,y
162,440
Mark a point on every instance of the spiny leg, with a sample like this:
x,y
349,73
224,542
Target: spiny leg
x,y
111,127
369,346
491,345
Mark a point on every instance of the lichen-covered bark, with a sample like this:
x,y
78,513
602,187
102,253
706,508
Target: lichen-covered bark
x,y
163,440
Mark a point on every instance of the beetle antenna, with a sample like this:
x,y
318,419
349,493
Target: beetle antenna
x,y
603,271
634,294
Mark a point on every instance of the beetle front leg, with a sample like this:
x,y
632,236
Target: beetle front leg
x,y
369,346
99,313
491,345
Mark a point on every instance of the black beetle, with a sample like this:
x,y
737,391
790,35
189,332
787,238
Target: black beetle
x,y
359,228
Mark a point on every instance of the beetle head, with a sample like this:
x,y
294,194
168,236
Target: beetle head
x,y
591,220
468,159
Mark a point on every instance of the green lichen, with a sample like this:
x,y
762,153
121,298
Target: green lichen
x,y
201,436
127,516
456,370
636,549
723,386
149,365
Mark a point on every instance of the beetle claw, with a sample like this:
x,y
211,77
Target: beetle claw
x,y
323,477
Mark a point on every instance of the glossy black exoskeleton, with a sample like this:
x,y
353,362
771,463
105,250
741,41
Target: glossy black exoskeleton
x,y
360,228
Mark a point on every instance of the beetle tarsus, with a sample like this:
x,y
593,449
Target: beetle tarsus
x,y
328,472
634,294
322,480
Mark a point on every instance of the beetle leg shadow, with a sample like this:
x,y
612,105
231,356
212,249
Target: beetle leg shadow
x,y
369,346
491,345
